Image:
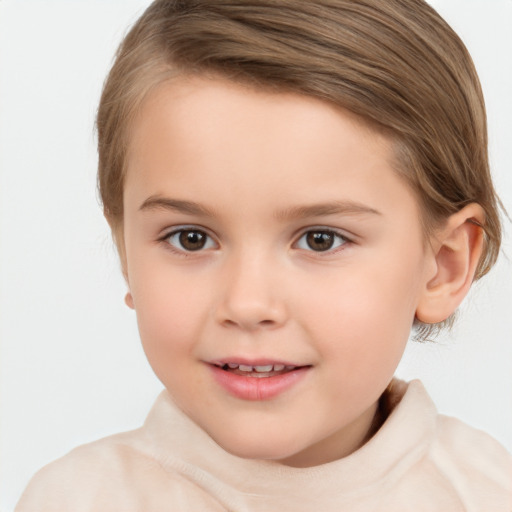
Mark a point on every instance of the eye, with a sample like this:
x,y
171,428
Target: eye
x,y
189,240
321,240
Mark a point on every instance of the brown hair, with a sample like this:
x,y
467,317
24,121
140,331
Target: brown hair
x,y
395,63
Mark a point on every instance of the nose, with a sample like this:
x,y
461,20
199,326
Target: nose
x,y
251,296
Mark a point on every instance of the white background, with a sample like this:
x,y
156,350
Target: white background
x,y
71,366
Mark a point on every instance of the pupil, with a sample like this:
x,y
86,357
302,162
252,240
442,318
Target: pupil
x,y
192,240
320,241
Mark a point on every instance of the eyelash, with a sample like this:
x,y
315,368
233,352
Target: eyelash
x,y
177,233
342,240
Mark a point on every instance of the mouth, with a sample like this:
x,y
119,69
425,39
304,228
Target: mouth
x,y
258,380
258,371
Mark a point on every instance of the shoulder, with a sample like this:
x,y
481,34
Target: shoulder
x,y
445,463
112,474
475,464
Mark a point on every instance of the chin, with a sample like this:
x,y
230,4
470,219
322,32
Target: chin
x,y
257,447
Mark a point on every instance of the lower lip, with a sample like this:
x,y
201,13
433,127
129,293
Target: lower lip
x,y
258,388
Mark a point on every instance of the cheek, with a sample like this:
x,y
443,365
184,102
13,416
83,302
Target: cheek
x,y
170,310
366,317
169,320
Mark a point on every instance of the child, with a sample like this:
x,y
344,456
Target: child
x,y
292,186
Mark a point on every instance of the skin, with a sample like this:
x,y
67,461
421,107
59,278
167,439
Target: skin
x,y
249,161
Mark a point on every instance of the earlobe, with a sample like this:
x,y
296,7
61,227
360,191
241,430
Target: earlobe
x,y
457,246
128,299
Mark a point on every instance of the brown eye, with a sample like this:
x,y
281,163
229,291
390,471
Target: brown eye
x,y
321,240
190,240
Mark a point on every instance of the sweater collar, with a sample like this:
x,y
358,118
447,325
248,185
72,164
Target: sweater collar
x,y
180,445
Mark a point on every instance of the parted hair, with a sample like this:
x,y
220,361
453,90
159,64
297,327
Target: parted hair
x,y
395,63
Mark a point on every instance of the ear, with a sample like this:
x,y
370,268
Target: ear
x,y
128,300
457,247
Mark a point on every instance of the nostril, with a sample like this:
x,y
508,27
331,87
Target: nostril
x,y
250,325
250,314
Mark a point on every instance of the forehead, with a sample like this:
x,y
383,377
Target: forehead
x,y
215,139
205,103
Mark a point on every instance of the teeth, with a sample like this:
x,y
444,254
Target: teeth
x,y
259,369
267,368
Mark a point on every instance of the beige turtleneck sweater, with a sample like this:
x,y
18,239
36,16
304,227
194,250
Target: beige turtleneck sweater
x,y
417,461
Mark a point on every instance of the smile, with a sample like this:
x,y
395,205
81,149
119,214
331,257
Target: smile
x,y
258,371
257,382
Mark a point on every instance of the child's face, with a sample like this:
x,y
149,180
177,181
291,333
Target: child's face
x,y
270,229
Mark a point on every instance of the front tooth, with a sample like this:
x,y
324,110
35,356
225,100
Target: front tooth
x,y
278,367
266,368
245,368
232,366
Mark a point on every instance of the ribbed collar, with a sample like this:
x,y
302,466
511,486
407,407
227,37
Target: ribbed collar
x,y
250,485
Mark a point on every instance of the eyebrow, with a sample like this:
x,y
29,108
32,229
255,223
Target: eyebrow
x,y
295,212
331,208
175,205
